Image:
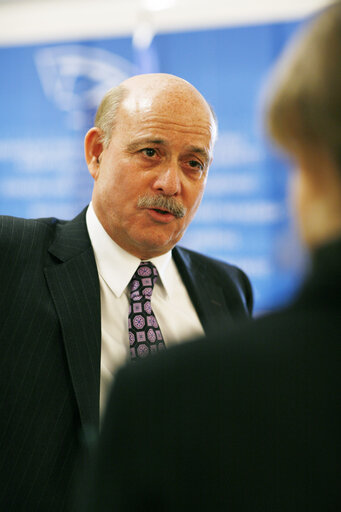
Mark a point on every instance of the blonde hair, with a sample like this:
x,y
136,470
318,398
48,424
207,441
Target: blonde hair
x,y
305,103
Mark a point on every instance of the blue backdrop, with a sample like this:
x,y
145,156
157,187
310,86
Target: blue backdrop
x,y
48,96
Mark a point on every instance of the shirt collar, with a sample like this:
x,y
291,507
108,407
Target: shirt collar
x,y
117,266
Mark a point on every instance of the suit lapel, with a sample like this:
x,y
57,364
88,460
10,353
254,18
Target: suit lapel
x,y
74,287
206,295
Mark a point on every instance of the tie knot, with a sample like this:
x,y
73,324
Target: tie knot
x,y
143,280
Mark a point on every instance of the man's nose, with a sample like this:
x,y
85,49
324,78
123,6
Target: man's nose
x,y
168,180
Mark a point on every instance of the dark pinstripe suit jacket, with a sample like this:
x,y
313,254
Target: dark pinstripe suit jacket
x,y
50,334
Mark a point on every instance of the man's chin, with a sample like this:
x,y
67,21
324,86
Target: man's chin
x,y
156,245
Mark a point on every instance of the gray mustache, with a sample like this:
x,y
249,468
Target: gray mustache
x,y
174,206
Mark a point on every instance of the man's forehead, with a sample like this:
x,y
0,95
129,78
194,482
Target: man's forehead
x,y
147,116
133,103
168,130
151,111
163,97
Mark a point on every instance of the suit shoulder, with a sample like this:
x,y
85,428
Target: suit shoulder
x,y
17,232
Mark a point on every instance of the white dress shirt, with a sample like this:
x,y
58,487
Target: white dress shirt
x,y
171,303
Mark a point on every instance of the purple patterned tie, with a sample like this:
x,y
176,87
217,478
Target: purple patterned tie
x,y
145,336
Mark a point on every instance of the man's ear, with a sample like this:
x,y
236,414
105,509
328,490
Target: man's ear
x,y
93,148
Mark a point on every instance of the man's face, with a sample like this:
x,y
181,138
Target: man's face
x,y
159,148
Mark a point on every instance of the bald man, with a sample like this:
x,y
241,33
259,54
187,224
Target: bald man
x,y
249,421
82,297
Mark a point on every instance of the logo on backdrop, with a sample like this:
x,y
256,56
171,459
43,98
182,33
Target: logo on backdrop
x,y
76,77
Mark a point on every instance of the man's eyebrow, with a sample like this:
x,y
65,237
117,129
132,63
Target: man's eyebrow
x,y
201,151
133,146
144,142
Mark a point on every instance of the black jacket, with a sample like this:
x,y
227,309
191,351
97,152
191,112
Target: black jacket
x,y
50,336
249,421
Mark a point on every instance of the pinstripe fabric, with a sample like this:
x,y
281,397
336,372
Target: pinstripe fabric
x,y
50,337
49,369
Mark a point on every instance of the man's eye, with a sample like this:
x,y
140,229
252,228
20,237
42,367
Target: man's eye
x,y
196,164
150,152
